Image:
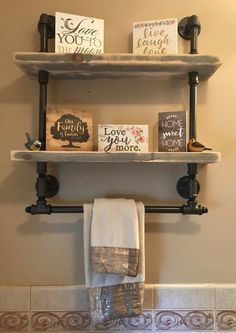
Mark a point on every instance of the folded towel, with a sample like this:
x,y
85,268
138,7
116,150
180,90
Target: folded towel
x,y
115,236
113,296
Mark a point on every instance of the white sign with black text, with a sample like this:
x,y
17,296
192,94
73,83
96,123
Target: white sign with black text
x,y
79,34
123,138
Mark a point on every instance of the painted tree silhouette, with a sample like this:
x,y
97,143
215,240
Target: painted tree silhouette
x,y
70,128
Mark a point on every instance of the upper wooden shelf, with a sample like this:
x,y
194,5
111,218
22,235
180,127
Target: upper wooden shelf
x,y
116,66
95,156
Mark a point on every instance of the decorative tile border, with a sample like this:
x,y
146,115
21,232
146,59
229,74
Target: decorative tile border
x,y
60,321
143,322
12,321
184,320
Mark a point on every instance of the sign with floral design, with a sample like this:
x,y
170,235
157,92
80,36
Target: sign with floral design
x,y
78,34
123,138
158,37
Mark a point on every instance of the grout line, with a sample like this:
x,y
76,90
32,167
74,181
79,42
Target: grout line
x,y
30,311
215,326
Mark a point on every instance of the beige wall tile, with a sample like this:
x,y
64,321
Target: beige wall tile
x,y
183,297
226,297
14,298
69,298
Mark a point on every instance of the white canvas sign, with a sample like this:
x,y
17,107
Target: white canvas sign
x,y
123,138
157,37
79,34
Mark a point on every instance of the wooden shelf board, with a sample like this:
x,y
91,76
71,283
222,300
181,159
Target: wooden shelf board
x,y
94,156
116,66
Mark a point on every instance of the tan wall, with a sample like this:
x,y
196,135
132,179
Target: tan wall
x,y
179,249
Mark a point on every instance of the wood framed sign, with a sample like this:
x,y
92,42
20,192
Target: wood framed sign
x,y
79,34
172,131
68,129
158,37
123,138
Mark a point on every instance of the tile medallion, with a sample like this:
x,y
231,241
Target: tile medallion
x,y
195,320
12,321
226,320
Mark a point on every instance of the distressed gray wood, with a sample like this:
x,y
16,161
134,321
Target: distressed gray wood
x,y
75,156
72,156
116,66
187,157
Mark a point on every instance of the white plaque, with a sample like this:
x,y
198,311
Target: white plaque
x,y
158,37
79,34
123,138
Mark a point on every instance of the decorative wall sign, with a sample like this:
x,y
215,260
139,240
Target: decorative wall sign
x,y
158,37
172,131
68,129
79,34
123,138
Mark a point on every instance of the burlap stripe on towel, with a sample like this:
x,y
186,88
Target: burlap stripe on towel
x,y
115,301
115,260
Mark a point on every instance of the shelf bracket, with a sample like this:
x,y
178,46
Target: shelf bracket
x,y
189,28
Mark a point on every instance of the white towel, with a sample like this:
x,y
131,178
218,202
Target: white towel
x,y
113,296
115,236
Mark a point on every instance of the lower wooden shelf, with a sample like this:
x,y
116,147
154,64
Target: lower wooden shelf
x,y
94,156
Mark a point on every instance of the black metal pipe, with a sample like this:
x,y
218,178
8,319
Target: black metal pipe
x,y
41,183
44,38
193,82
194,28
46,28
43,81
191,208
194,40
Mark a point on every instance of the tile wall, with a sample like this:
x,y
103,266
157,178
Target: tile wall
x,y
175,308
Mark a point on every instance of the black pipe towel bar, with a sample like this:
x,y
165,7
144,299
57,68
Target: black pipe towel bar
x,y
190,208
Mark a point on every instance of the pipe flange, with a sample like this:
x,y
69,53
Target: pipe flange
x,y
186,24
51,186
184,187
